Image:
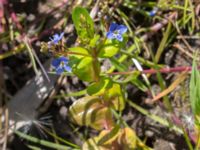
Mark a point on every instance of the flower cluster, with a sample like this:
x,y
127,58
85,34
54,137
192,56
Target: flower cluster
x,y
61,64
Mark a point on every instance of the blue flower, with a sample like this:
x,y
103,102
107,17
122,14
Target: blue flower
x,y
61,64
56,38
116,31
153,12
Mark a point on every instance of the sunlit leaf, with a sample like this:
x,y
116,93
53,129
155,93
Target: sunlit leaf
x,y
118,65
84,69
78,52
109,49
94,111
98,88
124,139
195,90
90,111
103,141
94,41
128,139
82,63
115,96
107,137
83,23
76,55
91,144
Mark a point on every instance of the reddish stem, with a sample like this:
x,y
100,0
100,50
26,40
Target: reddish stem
x,y
168,70
154,71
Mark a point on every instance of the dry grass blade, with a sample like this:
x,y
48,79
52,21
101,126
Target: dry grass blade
x,y
179,79
179,47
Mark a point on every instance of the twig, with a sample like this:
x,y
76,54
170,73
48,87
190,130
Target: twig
x,y
182,38
27,43
179,79
178,46
6,129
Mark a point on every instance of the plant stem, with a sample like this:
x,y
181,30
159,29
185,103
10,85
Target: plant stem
x,y
154,71
187,139
95,66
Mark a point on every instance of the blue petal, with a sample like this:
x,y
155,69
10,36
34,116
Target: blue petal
x,y
55,63
110,35
68,68
122,29
152,13
64,59
119,37
55,41
56,36
60,70
113,27
61,35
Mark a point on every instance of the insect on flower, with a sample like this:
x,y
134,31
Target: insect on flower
x,y
61,65
116,31
56,38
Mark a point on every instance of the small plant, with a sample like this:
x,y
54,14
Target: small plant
x,y
104,95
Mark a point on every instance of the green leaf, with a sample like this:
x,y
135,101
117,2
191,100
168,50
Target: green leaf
x,y
118,65
98,88
83,23
94,41
94,111
107,137
45,143
103,141
84,69
91,144
115,97
108,51
82,63
109,48
124,139
132,78
90,111
77,54
135,80
128,139
195,90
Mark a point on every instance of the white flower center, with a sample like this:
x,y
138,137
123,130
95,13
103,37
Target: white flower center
x,y
62,64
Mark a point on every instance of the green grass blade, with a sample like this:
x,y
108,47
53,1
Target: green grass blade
x,y
31,56
195,89
154,117
43,142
